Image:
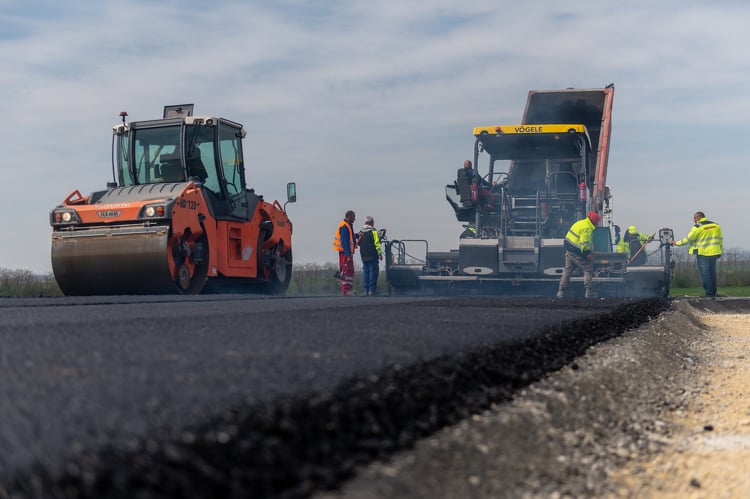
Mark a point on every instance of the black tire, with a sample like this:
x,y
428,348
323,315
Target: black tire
x,y
200,274
278,270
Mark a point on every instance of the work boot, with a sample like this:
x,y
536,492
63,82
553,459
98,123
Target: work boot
x,y
561,294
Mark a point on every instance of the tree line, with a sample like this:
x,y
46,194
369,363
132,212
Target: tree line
x,y
313,279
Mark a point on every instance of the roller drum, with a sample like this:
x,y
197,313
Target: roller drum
x,y
113,261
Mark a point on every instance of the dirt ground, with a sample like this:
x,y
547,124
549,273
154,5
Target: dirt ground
x,y
662,411
708,455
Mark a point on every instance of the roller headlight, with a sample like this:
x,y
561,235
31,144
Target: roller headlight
x,y
156,211
64,217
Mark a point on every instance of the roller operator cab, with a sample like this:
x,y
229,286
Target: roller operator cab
x,y
528,183
178,217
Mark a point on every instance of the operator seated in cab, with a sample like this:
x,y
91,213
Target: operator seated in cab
x,y
195,165
171,171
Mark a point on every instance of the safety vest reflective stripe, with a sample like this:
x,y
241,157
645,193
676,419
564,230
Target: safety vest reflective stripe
x,y
581,234
337,244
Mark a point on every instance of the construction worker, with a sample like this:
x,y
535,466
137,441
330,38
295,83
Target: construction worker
x,y
578,245
631,244
706,243
469,232
345,245
371,254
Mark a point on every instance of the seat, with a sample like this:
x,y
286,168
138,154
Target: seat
x,y
171,171
463,184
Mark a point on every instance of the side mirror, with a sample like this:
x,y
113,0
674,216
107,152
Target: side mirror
x,y
291,193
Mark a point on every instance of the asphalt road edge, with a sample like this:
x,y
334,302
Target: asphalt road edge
x,y
570,434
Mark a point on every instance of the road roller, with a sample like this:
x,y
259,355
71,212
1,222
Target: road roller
x,y
178,217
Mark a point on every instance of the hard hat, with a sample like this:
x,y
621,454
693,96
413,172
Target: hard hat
x,y
632,229
594,217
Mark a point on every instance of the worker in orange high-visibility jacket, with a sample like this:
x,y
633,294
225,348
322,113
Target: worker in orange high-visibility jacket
x,y
706,242
578,245
345,245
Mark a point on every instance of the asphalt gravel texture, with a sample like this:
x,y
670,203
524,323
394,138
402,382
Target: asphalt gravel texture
x,y
232,397
590,429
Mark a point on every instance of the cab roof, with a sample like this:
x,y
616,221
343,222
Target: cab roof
x,y
121,128
533,141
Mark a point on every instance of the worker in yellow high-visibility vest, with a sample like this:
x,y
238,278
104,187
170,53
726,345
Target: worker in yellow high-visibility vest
x,y
706,242
578,243
631,243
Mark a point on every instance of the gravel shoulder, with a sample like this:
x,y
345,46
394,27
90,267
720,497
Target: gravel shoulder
x,y
661,411
709,450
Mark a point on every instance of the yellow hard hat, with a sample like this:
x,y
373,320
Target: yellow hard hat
x,y
632,229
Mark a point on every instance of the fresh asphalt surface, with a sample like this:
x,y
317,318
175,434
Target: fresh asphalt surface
x,y
236,396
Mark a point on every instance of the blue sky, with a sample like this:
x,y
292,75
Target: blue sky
x,y
370,106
